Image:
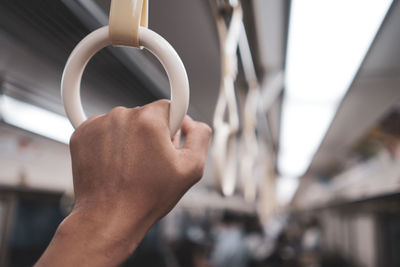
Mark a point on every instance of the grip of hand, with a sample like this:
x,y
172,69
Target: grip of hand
x,y
107,35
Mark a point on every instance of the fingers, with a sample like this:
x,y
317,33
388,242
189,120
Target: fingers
x,y
198,136
177,140
195,149
155,118
89,120
159,110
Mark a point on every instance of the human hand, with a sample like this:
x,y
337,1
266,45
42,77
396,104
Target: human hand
x,y
127,174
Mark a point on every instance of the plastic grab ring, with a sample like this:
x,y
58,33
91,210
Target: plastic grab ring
x,y
95,41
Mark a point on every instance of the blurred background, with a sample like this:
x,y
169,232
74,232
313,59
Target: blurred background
x,y
316,151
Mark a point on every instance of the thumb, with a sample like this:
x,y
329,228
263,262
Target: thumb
x,y
195,148
198,136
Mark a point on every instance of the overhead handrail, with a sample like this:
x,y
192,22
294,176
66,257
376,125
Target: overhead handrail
x,y
127,27
224,142
271,89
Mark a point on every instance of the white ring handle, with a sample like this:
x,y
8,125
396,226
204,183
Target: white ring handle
x,y
225,159
95,41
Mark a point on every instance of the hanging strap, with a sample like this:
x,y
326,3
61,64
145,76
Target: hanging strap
x,y
126,16
224,145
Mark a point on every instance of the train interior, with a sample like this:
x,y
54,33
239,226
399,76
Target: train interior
x,y
309,174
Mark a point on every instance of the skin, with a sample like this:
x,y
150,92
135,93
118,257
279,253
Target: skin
x,y
128,174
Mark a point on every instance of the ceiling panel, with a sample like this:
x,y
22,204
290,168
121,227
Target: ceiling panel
x,y
36,40
375,90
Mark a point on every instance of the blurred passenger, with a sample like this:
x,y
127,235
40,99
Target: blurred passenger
x,y
192,254
259,246
311,240
230,249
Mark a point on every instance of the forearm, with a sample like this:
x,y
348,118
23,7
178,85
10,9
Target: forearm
x,y
82,241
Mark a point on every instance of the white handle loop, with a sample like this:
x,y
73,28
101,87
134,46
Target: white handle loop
x,y
224,153
91,44
249,141
250,147
224,143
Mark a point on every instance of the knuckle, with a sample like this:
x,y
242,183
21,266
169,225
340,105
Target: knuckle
x,y
146,121
145,117
117,110
73,141
198,172
135,109
190,166
198,167
161,102
133,113
203,128
115,114
86,131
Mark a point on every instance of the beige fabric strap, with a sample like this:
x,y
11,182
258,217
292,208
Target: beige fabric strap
x,y
126,16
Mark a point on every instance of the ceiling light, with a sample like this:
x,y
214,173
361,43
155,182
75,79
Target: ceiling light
x,y
35,119
286,188
328,41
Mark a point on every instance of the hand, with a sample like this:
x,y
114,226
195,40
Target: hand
x,y
127,174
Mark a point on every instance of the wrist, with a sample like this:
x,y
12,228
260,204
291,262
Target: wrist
x,y
91,240
98,236
105,234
